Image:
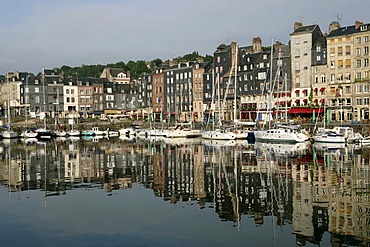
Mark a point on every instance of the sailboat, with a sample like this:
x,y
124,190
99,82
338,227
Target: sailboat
x,y
9,133
59,131
73,131
43,132
284,131
338,134
183,129
27,133
218,134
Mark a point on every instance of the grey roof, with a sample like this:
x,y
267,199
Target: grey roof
x,y
342,31
305,29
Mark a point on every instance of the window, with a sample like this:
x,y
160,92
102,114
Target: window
x,y
340,64
358,88
366,88
67,91
358,75
332,64
37,99
261,75
358,63
366,62
366,50
297,41
318,48
358,52
348,63
366,39
37,89
348,89
358,101
332,51
366,101
323,78
348,50
358,40
332,78
297,80
340,51
297,65
318,58
340,78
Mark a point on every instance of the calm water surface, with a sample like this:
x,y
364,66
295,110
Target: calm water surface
x,y
99,192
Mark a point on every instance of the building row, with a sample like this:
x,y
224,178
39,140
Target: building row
x,y
315,72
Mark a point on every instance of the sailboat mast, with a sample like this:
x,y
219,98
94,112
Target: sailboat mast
x,y
271,88
43,94
235,79
8,103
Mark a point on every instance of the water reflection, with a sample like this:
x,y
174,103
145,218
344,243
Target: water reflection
x,y
315,189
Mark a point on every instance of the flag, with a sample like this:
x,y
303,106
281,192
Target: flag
x,y
327,116
313,116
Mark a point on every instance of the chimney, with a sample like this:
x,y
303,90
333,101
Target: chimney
x,y
334,25
257,45
358,24
297,25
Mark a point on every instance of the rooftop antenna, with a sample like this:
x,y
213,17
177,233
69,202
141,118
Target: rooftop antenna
x,y
338,17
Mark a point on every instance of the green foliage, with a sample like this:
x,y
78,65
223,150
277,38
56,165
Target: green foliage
x,y
136,69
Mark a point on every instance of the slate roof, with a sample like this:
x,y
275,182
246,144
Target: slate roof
x,y
343,31
305,29
115,71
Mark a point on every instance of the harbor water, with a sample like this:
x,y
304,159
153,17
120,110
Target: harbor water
x,y
182,192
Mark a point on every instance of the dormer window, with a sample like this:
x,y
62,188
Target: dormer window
x,y
363,28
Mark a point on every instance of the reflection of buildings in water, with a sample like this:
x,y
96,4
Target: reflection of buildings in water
x,y
340,187
326,191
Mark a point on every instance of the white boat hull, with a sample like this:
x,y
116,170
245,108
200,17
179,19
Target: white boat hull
x,y
9,134
218,135
280,135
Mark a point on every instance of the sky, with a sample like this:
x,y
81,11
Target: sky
x,y
52,33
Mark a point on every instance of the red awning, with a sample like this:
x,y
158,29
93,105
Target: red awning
x,y
304,100
305,110
296,91
304,90
322,100
316,89
297,101
315,100
282,94
322,89
288,94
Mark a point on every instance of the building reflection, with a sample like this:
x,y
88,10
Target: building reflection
x,y
315,190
